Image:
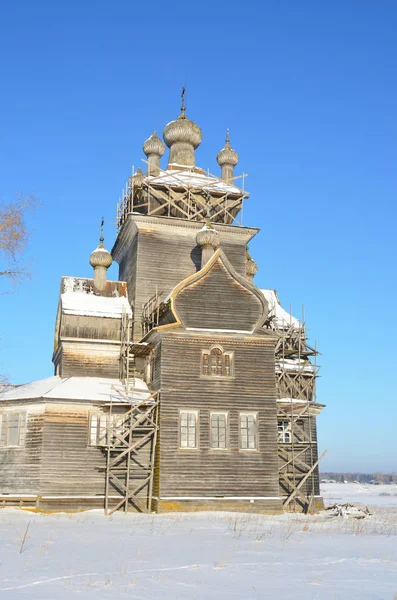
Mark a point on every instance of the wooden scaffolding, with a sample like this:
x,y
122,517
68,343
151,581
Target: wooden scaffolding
x,y
166,194
297,410
131,434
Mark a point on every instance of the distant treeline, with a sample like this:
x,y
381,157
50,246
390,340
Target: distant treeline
x,y
360,477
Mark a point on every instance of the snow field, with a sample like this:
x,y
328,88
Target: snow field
x,y
204,555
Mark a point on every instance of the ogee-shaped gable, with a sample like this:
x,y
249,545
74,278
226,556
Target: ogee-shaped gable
x,y
217,297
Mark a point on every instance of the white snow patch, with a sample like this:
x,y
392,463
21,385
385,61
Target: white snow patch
x,y
80,303
95,389
188,178
282,319
293,400
294,364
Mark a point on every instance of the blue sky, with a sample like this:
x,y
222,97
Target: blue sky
x,y
308,90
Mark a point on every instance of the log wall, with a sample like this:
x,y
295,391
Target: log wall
x,y
85,359
162,252
205,472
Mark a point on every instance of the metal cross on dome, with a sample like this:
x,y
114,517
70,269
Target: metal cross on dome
x,y
183,107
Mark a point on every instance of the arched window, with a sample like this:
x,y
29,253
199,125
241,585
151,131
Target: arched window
x,y
217,363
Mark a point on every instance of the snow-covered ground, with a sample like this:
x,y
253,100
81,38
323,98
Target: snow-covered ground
x,y
204,555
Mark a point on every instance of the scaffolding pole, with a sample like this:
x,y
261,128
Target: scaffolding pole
x,y
295,379
131,433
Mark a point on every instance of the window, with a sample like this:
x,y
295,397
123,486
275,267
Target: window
x,y
219,431
188,429
13,429
98,434
98,431
283,435
248,431
217,363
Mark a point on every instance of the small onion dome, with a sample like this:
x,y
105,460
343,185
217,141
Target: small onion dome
x,y
138,178
182,130
153,145
251,268
207,236
227,156
101,257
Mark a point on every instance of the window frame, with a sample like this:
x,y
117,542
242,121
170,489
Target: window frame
x,y
249,413
106,424
196,414
226,414
282,434
207,352
22,427
98,416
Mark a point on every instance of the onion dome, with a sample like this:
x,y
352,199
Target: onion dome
x,y
207,237
153,145
227,156
138,178
101,257
182,130
182,137
251,268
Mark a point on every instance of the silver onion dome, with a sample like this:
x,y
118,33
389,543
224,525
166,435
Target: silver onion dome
x,y
208,237
153,145
182,130
138,177
182,137
227,156
101,257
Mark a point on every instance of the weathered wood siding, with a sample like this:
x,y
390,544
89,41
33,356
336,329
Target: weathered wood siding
x,y
85,359
57,464
162,252
218,301
20,467
85,327
69,465
205,472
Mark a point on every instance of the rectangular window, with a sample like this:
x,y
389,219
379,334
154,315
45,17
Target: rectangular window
x,y
219,433
107,429
206,367
249,431
188,429
13,429
98,432
283,435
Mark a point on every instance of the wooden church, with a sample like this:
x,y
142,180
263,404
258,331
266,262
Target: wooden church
x,y
180,387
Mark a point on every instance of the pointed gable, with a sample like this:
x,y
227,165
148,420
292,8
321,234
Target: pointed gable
x,y
217,297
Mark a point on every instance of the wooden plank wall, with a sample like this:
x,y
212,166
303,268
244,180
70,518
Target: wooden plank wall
x,y
20,467
57,463
69,464
82,359
86,327
218,301
166,253
205,472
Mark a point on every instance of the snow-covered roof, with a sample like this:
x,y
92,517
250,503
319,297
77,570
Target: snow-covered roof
x,y
294,364
81,303
282,318
94,389
188,177
292,400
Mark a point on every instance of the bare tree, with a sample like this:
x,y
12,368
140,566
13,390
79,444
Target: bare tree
x,y
14,236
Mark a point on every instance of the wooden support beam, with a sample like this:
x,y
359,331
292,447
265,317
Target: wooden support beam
x,y
302,481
